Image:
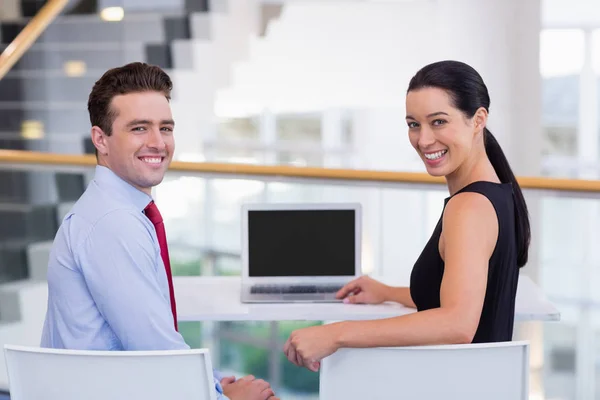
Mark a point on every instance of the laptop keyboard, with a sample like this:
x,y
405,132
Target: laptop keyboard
x,y
294,289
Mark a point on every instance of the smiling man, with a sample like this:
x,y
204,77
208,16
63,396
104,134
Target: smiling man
x,y
109,275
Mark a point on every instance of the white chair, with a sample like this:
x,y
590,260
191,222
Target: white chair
x,y
49,374
493,371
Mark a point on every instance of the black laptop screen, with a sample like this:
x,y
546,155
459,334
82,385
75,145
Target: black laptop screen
x,y
301,243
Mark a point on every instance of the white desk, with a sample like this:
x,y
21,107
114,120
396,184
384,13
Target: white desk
x,y
218,299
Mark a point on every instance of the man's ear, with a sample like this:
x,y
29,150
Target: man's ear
x,y
99,139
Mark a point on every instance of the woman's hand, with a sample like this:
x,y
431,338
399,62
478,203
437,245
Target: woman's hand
x,y
308,346
364,290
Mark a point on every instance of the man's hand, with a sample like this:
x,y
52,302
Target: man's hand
x,y
247,388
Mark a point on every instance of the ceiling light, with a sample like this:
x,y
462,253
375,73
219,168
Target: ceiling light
x,y
74,68
32,130
112,13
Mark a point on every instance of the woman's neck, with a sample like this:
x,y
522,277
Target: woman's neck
x,y
478,168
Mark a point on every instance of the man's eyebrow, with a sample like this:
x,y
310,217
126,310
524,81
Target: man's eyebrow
x,y
148,122
139,122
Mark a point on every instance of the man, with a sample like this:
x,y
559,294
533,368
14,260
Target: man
x,y
109,274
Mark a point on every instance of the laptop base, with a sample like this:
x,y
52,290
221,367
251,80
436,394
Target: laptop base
x,y
248,297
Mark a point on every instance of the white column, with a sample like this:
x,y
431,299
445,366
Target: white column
x,y
268,136
588,152
331,137
523,147
585,360
587,135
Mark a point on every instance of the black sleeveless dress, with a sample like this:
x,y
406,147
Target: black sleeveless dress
x,y
497,316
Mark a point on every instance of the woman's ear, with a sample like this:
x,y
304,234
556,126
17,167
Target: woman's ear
x,y
480,119
99,140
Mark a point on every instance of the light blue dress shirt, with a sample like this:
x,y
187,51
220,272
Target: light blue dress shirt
x,y
107,284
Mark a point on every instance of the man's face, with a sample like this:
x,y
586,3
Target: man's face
x,y
141,145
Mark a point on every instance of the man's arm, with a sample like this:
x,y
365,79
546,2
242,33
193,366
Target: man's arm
x,y
118,261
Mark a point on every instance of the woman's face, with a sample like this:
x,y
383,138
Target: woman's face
x,y
441,134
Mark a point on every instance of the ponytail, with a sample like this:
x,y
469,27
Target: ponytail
x,y
504,172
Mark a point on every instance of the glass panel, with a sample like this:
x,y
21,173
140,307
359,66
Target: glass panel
x,y
202,216
240,129
560,355
596,51
561,60
299,127
236,354
192,333
243,359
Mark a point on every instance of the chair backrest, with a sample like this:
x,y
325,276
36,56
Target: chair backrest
x,y
493,371
50,374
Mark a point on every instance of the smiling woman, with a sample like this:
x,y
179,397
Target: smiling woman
x,y
464,282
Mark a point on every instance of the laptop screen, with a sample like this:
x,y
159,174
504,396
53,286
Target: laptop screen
x,y
285,243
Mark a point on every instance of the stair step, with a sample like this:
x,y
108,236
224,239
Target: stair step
x,y
43,89
13,262
27,187
23,300
38,255
55,57
14,185
88,28
30,223
61,121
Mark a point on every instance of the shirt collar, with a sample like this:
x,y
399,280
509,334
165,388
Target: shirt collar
x,y
121,189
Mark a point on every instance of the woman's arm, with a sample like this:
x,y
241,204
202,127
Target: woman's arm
x,y
470,232
365,290
469,237
401,295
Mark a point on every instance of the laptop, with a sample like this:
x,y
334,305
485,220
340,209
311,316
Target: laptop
x,y
299,252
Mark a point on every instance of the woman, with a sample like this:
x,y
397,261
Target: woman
x,y
464,283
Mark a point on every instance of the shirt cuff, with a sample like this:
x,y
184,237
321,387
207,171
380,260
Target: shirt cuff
x,y
217,377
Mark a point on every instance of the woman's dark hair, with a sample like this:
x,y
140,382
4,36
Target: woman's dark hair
x,y
465,87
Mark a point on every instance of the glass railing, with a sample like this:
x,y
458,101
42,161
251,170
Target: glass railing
x,y
201,202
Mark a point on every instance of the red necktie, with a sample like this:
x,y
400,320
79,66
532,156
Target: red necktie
x,y
154,216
